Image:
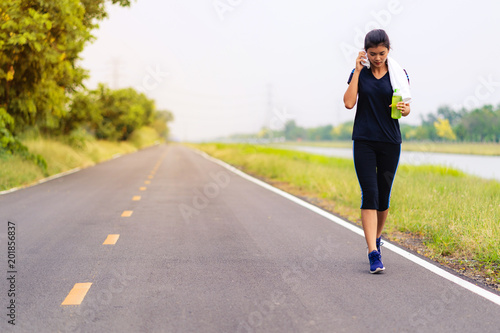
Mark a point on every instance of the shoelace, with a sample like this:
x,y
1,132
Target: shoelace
x,y
374,256
378,244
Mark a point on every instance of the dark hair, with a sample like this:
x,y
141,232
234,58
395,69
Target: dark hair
x,y
376,37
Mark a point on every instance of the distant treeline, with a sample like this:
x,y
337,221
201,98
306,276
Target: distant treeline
x,y
41,84
477,125
112,114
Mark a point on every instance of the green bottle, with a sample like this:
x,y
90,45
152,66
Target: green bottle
x,y
396,98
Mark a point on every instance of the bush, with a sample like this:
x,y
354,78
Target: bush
x,y
78,138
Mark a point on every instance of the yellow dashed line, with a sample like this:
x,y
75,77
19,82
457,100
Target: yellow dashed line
x,y
127,213
77,294
111,239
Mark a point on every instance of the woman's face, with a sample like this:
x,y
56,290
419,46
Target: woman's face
x,y
377,55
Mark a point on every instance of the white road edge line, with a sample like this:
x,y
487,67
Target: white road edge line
x,y
59,175
65,173
423,263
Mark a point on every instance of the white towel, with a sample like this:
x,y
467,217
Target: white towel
x,y
399,80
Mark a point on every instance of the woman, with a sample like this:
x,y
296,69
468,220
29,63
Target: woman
x,y
376,138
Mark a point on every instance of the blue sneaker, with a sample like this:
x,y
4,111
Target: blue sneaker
x,y
376,265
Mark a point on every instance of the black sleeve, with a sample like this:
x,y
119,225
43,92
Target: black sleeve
x,y
350,77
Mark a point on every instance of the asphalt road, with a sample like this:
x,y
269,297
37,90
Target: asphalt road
x,y
205,250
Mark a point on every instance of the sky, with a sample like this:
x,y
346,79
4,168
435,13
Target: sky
x,y
234,66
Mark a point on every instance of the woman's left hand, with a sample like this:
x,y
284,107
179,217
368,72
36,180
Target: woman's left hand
x,y
404,108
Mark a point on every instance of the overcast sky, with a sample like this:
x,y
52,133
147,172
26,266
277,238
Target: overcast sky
x,y
234,66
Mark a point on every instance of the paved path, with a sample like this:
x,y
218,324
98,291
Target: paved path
x,y
205,250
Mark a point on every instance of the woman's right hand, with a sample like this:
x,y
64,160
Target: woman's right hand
x,y
351,94
361,56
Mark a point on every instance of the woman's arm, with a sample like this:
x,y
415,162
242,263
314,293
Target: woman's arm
x,y
351,93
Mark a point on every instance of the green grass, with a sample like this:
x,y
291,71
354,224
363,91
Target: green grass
x,y
61,156
457,215
16,171
492,149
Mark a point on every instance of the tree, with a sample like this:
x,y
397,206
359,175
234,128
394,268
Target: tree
x,y
321,133
444,130
293,132
114,114
342,131
162,117
40,41
481,124
84,112
451,115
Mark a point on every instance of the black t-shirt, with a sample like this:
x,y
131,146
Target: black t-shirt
x,y
373,120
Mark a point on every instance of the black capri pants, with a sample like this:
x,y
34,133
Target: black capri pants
x,y
376,164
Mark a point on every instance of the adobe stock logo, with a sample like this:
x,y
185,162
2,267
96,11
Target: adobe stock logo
x,y
223,6
484,90
279,119
201,198
153,79
381,19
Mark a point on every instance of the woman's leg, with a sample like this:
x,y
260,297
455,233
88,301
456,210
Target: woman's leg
x,y
387,165
370,227
365,163
381,217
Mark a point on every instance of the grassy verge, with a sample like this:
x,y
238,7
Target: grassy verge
x,y
492,149
449,216
62,156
